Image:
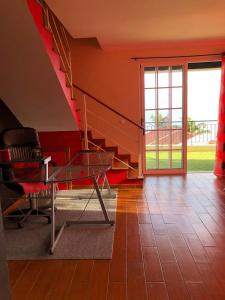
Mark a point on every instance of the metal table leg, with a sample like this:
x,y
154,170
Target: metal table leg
x,y
54,238
106,217
108,186
101,200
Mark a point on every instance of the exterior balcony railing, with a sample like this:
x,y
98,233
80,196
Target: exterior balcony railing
x,y
199,132
165,135
202,132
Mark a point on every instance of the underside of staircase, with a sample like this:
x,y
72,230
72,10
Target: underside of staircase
x,y
124,171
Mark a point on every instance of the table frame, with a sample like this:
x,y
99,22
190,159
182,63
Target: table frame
x,y
56,237
53,181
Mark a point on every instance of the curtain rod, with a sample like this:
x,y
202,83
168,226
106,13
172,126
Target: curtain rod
x,y
179,56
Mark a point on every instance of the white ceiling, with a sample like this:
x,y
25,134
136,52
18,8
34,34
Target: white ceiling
x,y
129,23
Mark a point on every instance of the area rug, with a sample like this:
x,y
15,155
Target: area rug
x,y
77,241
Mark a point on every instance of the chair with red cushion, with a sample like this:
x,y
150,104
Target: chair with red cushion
x,y
24,151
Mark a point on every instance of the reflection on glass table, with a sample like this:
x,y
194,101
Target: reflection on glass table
x,y
84,165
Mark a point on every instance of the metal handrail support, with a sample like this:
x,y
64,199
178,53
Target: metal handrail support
x,y
60,38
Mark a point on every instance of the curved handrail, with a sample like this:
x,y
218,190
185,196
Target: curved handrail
x,y
108,107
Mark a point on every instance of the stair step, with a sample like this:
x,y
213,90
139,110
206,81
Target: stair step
x,y
124,168
119,165
134,164
99,142
111,148
124,157
135,178
54,49
63,70
133,174
69,85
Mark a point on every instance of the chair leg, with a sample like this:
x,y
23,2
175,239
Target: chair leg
x,y
33,212
24,214
20,223
44,214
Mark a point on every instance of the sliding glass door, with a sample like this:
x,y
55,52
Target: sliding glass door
x,y
165,119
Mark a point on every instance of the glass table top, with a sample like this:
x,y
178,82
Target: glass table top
x,y
83,165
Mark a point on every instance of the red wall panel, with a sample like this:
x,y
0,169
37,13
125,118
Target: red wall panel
x,y
61,145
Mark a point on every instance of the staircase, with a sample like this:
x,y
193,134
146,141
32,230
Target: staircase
x,y
56,41
50,30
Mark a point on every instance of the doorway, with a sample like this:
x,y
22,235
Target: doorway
x,y
203,100
178,140
165,119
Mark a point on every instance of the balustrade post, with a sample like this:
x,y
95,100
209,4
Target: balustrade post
x,y
140,165
140,171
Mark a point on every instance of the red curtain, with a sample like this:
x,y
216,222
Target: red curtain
x,y
220,147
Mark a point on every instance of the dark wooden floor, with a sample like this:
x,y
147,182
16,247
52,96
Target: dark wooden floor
x,y
169,244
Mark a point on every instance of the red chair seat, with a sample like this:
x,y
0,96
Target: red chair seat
x,y
34,187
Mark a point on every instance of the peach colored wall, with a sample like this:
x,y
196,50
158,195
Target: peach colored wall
x,y
115,79
106,75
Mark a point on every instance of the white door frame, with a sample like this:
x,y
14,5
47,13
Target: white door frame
x,y
170,62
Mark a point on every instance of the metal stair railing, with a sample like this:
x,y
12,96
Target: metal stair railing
x,y
118,130
61,41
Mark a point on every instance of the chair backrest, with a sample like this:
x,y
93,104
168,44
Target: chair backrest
x,y
21,142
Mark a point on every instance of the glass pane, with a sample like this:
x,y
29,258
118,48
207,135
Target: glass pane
x,y
163,98
150,140
164,160
177,76
149,77
163,118
164,139
150,119
177,118
151,162
177,97
177,159
177,125
163,77
150,101
177,139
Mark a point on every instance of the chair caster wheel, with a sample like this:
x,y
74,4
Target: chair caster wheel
x,y
19,225
50,252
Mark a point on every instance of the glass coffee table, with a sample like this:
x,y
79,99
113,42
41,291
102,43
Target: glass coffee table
x,y
83,165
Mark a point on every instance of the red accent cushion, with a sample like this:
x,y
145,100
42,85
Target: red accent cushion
x,y
28,165
30,187
34,187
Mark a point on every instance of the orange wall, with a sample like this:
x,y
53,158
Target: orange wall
x,y
114,78
107,75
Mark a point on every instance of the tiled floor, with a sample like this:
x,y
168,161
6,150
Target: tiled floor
x,y
169,244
